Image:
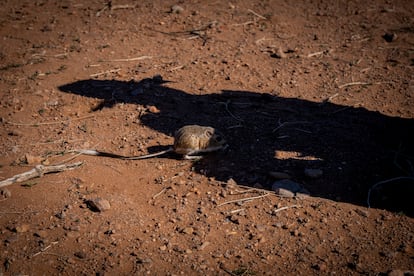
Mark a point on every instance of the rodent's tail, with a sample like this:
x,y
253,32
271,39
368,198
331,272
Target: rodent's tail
x,y
88,152
100,153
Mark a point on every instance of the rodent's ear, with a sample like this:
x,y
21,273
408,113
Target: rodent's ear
x,y
209,133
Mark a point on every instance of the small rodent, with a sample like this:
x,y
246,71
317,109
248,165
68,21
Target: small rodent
x,y
189,141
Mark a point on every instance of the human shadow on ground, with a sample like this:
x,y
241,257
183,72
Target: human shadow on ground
x,y
355,148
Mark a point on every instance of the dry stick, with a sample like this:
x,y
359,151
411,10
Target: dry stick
x,y
128,59
384,182
44,249
38,171
226,104
158,194
354,83
288,123
258,15
316,54
284,208
243,199
118,7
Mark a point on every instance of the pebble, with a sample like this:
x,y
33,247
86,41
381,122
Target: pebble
x,y
204,245
5,193
98,204
362,213
177,9
32,160
41,234
289,188
313,173
22,228
284,192
80,255
279,175
188,230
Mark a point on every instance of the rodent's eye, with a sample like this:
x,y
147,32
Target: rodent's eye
x,y
219,138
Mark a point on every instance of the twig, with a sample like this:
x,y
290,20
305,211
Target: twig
x,y
44,249
244,24
105,72
384,182
258,15
159,193
315,54
354,83
127,59
287,123
243,199
236,211
118,7
39,171
226,104
284,208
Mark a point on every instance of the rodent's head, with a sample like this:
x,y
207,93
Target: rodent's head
x,y
215,138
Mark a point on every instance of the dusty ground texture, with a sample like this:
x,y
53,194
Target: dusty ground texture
x,y
323,85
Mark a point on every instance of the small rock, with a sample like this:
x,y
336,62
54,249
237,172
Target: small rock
x,y
98,204
279,175
80,254
5,193
283,192
15,133
22,228
153,109
319,267
40,234
288,188
279,53
204,245
61,215
163,247
362,213
32,160
313,173
177,9
188,230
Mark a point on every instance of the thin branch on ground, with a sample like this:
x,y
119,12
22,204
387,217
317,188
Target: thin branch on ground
x,y
284,208
361,83
287,123
159,193
44,249
127,59
384,182
226,104
38,171
243,199
255,13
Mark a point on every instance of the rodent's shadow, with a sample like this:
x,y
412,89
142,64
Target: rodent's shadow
x,y
355,148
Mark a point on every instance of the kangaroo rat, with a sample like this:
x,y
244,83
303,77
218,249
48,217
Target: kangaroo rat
x,y
189,141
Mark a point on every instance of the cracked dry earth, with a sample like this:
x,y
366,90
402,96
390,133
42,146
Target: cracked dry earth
x,y
315,86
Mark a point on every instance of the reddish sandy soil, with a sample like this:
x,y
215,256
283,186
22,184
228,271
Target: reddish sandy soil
x,y
324,85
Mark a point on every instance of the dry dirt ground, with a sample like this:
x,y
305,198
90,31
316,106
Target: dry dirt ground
x,y
322,85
